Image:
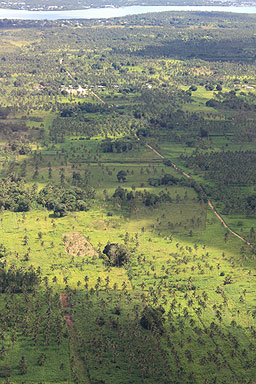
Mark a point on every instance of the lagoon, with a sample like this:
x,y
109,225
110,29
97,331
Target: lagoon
x,y
109,12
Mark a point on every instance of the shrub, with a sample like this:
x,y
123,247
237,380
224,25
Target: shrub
x,y
3,251
116,254
5,371
193,88
117,146
121,176
15,280
152,318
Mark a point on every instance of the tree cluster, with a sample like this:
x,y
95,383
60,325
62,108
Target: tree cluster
x,y
62,200
116,254
147,198
117,146
17,280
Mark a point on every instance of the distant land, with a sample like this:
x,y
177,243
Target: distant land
x,y
53,5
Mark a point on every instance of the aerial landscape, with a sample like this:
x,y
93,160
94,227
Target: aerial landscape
x,y
128,196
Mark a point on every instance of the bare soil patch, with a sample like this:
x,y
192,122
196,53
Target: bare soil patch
x,y
77,245
64,301
65,304
68,320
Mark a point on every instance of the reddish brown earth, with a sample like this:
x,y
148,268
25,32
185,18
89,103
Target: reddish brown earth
x,y
65,304
69,321
64,301
70,326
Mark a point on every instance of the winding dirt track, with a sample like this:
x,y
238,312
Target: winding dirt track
x,y
177,169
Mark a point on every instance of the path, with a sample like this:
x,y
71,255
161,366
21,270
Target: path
x,y
177,169
67,316
226,226
208,201
94,94
70,326
80,87
72,78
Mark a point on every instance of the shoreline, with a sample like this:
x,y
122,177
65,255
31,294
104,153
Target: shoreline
x,y
108,12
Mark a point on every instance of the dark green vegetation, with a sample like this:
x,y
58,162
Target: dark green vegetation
x,y
114,268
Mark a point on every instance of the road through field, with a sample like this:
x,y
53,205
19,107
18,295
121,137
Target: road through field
x,y
175,167
208,201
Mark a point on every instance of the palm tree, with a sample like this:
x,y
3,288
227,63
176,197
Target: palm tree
x,y
23,365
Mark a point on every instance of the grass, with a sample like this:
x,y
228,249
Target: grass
x,y
154,244
180,258
26,321
201,257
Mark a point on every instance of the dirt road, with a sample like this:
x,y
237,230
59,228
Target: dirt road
x,y
80,87
179,170
209,202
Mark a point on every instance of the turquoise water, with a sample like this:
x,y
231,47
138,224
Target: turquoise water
x,y
107,13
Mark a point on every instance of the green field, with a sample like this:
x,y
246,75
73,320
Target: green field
x,y
113,267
